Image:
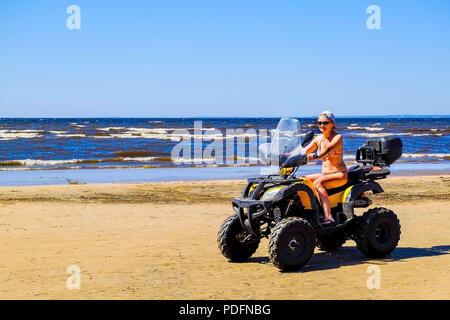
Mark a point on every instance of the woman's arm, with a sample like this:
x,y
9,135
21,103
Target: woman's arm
x,y
308,149
334,142
312,146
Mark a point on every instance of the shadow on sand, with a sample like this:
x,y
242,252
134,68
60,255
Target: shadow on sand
x,y
349,256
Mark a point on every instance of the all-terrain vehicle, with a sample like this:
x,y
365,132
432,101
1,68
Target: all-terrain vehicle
x,y
286,208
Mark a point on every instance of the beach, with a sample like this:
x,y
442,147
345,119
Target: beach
x,y
127,132
158,241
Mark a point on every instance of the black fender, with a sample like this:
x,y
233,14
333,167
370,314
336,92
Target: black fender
x,y
293,189
355,191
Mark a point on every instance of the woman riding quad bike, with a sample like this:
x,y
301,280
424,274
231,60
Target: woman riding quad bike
x,y
289,210
330,148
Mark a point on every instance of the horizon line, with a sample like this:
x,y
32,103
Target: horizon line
x,y
231,117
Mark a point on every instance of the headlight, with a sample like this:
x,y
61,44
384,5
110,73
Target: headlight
x,y
269,195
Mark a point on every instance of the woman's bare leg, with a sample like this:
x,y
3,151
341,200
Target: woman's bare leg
x,y
324,199
314,176
321,183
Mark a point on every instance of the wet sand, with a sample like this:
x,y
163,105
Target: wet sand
x,y
158,241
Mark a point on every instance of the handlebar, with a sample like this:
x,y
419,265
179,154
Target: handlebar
x,y
294,161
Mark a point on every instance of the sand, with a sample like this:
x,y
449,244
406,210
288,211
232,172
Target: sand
x,y
158,241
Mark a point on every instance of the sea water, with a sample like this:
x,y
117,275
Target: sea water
x,y
50,151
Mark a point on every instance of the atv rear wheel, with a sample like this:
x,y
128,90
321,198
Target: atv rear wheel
x,y
377,233
331,242
234,242
291,243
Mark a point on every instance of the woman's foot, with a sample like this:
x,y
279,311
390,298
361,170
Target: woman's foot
x,y
328,222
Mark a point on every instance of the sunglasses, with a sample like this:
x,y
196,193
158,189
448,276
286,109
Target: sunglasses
x,y
325,123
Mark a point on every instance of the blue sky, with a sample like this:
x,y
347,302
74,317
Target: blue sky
x,y
223,58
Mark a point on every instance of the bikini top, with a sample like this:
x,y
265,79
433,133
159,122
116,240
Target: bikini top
x,y
331,153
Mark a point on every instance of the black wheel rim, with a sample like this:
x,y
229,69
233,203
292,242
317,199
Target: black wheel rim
x,y
382,233
294,246
241,236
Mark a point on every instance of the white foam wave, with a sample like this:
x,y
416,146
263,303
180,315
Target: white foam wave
x,y
422,134
193,160
149,130
164,134
364,128
425,155
71,135
373,129
38,162
203,129
19,134
29,130
139,159
111,128
131,135
58,131
411,156
375,135
385,134
213,160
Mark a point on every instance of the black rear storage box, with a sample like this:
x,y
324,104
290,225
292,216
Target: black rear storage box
x,y
389,149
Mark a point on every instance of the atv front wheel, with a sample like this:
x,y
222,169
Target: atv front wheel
x,y
234,242
377,233
331,242
291,243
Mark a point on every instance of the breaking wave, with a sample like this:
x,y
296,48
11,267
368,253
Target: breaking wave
x,y
37,162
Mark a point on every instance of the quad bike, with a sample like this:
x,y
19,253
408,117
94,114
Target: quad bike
x,y
286,208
